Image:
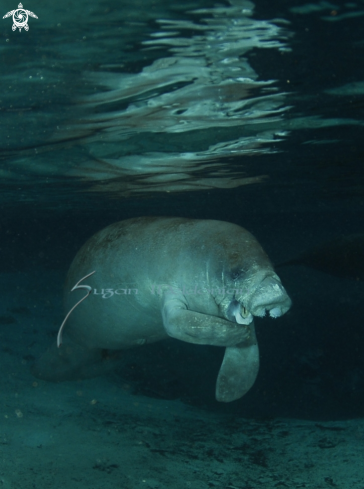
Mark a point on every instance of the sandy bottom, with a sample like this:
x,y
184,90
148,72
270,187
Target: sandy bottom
x,y
96,434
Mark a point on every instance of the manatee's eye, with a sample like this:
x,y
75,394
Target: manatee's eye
x,y
236,274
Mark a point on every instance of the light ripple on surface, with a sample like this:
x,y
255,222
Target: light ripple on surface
x,y
205,85
173,104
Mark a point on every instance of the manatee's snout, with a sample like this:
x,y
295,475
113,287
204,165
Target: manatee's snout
x,y
238,313
270,296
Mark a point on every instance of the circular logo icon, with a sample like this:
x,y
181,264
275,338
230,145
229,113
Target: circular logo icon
x,y
20,19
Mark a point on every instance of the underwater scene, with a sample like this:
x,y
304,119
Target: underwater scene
x,y
182,244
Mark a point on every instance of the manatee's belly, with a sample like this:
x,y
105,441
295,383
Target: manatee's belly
x,y
114,321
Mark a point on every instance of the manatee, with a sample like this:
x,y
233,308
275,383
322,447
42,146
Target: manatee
x,y
145,279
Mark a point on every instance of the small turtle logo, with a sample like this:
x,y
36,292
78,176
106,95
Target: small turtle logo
x,y
20,17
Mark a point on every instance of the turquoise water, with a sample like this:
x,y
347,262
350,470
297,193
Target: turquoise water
x,y
135,100
239,111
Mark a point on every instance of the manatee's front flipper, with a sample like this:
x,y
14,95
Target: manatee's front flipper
x,y
198,328
239,369
72,362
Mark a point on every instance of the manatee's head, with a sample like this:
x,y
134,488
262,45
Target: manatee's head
x,y
258,295
250,285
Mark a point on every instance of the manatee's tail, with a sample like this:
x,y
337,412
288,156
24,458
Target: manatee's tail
x,y
73,362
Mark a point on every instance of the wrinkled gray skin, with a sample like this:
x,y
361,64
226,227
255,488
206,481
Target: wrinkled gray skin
x,y
182,274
